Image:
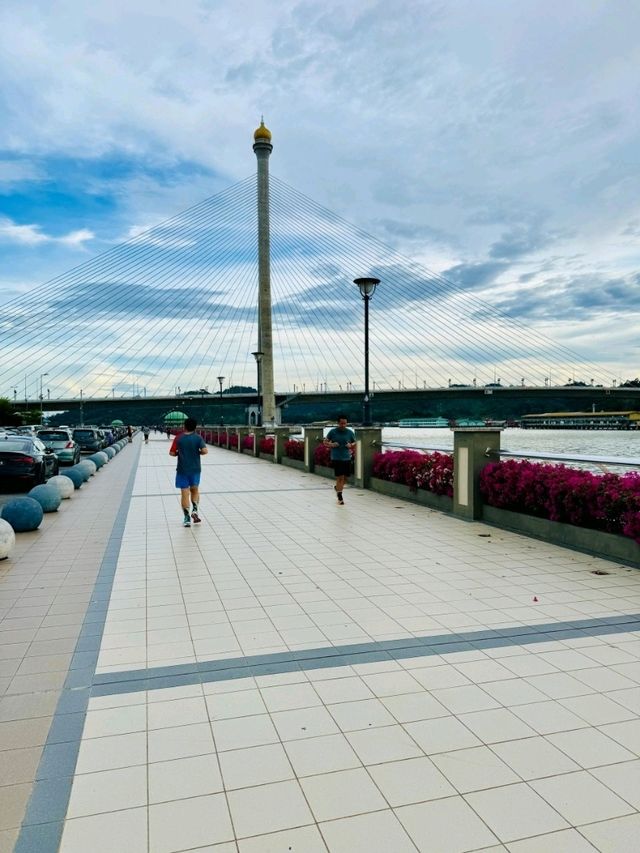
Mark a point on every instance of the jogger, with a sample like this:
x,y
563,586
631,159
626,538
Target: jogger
x,y
189,447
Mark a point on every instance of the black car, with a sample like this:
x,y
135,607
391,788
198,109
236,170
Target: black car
x,y
26,460
89,438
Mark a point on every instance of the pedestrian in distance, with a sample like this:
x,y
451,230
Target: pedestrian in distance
x,y
168,432
129,434
188,447
342,442
145,432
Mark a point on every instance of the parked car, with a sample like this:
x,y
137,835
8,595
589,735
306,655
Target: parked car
x,y
89,438
26,460
66,449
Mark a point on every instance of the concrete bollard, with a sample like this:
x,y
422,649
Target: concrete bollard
x,y
472,448
312,438
258,434
241,432
280,436
368,443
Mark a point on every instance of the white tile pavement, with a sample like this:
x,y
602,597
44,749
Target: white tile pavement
x,y
480,744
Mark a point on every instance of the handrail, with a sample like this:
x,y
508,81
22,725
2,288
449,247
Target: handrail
x,y
622,461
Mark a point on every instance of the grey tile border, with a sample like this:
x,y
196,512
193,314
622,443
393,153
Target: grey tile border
x,y
234,492
225,669
41,829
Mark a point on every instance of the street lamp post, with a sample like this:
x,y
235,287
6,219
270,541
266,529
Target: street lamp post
x,y
367,287
258,357
221,380
81,409
42,375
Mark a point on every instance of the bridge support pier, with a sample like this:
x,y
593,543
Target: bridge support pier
x,y
312,438
470,448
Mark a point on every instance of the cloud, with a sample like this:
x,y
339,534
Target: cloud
x,y
472,136
475,275
32,235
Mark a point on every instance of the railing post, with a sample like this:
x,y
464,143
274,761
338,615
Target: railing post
x,y
312,438
471,452
368,443
241,432
258,434
280,436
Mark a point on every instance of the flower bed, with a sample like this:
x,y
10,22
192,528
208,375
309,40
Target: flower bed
x,y
267,444
607,502
322,456
247,442
432,472
294,449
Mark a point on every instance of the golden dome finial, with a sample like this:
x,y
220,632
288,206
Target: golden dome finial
x,y
262,132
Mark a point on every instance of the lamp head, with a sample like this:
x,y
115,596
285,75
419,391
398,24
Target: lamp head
x,y
258,356
367,286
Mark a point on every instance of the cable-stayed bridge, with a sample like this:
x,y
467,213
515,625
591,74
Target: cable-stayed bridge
x,y
178,307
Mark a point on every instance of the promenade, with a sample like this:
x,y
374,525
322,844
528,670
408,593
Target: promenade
x,y
291,675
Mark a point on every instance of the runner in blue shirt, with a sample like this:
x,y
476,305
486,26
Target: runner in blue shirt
x,y
189,447
342,442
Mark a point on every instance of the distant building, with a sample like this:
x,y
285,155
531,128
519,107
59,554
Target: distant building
x,y
582,420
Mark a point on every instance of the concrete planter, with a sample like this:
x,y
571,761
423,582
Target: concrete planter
x,y
267,456
329,473
323,471
293,463
421,496
607,545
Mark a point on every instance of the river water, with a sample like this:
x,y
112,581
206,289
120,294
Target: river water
x,y
600,443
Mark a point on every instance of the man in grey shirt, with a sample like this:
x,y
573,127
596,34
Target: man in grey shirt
x,y
342,442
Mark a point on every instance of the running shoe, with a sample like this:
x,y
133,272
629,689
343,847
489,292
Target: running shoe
x,y
186,521
196,518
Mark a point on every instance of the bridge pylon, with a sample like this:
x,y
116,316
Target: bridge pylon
x,y
262,147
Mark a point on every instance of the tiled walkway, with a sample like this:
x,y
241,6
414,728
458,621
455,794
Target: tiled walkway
x,y
291,675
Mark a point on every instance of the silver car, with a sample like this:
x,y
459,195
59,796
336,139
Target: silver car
x,y
60,441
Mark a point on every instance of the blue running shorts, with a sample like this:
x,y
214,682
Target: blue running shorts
x,y
185,481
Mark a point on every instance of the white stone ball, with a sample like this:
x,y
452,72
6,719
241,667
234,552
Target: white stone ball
x,y
88,466
63,485
7,539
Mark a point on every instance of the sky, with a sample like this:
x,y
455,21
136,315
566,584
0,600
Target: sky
x,y
496,143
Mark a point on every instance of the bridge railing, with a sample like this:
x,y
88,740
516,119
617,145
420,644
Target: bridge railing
x,y
604,463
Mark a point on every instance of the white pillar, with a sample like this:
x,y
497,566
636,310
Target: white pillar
x,y
262,147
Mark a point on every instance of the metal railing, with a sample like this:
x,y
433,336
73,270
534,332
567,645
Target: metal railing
x,y
602,462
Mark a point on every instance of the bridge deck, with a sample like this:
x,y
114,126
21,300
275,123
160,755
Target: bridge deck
x,y
291,675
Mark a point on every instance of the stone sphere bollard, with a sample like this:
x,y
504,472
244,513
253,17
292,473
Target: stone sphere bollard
x,y
76,477
47,496
110,452
88,467
22,514
99,459
7,539
63,484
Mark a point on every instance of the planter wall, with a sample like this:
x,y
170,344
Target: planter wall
x,y
267,456
293,463
329,473
597,542
421,496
